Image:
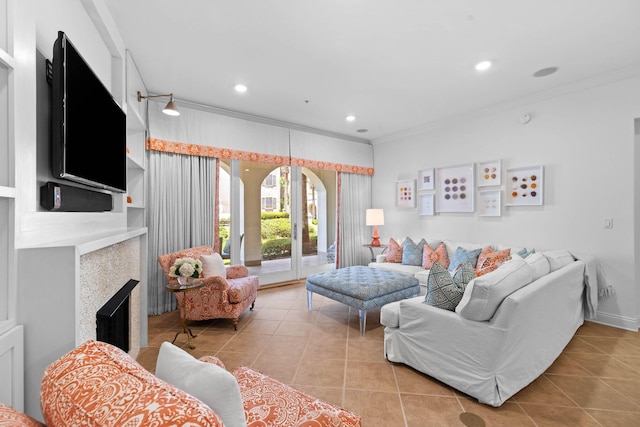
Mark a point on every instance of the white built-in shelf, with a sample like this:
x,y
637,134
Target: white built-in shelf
x,y
133,163
7,192
134,121
7,60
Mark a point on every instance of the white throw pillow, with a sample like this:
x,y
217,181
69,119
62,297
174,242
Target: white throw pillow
x,y
213,265
484,294
213,385
539,263
559,258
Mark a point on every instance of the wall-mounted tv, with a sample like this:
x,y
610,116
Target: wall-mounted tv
x,y
88,143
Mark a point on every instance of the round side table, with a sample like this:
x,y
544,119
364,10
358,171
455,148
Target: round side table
x,y
176,287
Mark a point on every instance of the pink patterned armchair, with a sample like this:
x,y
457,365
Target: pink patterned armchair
x,y
219,298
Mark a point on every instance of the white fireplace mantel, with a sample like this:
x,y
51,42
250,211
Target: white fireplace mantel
x,y
61,286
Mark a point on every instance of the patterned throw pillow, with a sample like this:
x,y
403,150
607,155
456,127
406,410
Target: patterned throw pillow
x,y
394,252
445,291
412,252
483,255
462,256
429,256
491,260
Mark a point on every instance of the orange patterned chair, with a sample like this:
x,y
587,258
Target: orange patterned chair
x,y
10,417
220,297
99,385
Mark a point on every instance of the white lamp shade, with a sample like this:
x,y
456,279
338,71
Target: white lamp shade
x,y
375,217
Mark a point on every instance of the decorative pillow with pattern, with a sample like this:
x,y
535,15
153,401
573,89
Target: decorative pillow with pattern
x,y
412,252
394,252
445,291
439,254
491,260
483,255
464,255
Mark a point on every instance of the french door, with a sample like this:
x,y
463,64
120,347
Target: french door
x,y
282,219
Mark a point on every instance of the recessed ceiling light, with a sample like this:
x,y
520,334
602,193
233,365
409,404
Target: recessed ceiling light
x,y
483,65
350,118
240,88
545,71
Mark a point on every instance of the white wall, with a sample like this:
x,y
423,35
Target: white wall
x,y
584,140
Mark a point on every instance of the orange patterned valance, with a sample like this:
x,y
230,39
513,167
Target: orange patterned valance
x,y
227,153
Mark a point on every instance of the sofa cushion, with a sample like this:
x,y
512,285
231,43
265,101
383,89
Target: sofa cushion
x,y
539,263
484,294
394,252
464,255
439,254
445,291
210,383
97,384
412,252
558,258
213,265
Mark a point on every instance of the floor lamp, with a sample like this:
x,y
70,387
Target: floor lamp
x,y
375,217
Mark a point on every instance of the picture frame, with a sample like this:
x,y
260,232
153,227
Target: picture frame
x,y
426,180
489,202
406,193
489,173
455,188
525,186
426,204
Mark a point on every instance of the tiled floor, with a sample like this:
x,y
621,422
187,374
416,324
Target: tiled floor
x,y
594,382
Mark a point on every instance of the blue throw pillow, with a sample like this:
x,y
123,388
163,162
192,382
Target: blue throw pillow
x,y
412,252
445,291
462,256
524,252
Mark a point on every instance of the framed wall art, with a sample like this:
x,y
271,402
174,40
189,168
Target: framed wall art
x,y
489,173
489,202
426,180
455,189
406,193
525,186
426,204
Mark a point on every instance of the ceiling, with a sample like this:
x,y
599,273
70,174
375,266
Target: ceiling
x,y
394,65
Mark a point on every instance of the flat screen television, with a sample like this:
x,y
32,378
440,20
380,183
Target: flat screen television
x,y
88,143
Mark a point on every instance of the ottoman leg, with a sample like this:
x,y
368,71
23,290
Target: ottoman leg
x,y
363,321
309,295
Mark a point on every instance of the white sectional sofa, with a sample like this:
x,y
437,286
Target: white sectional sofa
x,y
508,328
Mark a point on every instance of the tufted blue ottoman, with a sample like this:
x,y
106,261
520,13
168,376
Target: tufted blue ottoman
x,y
362,288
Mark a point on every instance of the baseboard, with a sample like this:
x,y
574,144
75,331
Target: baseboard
x,y
628,323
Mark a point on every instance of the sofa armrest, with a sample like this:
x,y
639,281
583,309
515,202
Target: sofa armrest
x,y
215,282
212,359
14,418
237,271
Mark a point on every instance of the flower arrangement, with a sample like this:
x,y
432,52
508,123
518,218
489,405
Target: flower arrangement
x,y
186,267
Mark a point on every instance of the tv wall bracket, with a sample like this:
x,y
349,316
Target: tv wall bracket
x,y
49,70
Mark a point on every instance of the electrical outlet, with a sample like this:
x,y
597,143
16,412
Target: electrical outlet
x,y
608,223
